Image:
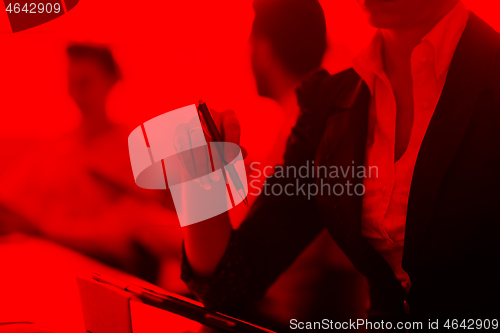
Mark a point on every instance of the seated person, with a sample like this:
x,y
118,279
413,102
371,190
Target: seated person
x,y
76,191
420,110
288,41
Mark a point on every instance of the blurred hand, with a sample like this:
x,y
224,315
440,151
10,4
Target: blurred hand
x,y
189,141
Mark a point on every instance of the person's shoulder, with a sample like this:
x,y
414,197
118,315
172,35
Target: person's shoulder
x,y
480,37
322,79
487,40
321,88
483,31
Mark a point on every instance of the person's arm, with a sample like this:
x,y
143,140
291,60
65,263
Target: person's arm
x,y
228,269
251,258
276,231
205,243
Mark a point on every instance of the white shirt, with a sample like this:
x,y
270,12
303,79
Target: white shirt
x,y
386,196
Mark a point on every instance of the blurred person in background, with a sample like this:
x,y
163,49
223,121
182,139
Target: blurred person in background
x,y
78,191
287,43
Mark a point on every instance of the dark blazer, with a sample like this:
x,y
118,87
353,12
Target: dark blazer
x,y
452,241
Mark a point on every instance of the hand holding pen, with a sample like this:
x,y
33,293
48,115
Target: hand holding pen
x,y
217,128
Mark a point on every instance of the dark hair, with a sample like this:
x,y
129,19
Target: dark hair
x,y
100,54
296,30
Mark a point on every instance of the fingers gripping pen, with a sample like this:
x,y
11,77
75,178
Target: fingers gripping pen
x,y
216,137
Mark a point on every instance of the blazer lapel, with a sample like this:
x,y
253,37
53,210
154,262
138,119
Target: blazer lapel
x,y
467,77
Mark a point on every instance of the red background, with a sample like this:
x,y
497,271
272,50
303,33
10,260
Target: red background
x,y
172,53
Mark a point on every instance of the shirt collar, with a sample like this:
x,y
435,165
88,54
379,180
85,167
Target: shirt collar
x,y
368,64
443,37
446,34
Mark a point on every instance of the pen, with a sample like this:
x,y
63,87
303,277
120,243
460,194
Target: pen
x,y
216,136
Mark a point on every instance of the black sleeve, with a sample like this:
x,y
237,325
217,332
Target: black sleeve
x,y
227,288
279,227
